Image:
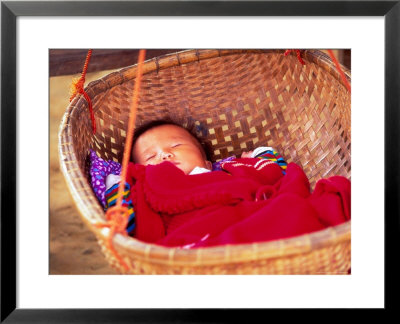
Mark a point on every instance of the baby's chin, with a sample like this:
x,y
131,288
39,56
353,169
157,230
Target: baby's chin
x,y
185,169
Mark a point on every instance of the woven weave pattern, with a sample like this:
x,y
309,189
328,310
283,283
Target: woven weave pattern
x,y
240,100
243,101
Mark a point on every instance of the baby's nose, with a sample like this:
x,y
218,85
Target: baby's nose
x,y
166,156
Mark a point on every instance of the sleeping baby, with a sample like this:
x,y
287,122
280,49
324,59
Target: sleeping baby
x,y
177,197
165,140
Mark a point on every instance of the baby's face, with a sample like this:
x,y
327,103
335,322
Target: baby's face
x,y
169,143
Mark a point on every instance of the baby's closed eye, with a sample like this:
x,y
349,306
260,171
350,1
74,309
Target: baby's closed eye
x,y
150,157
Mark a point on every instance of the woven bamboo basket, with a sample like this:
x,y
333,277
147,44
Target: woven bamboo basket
x,y
245,99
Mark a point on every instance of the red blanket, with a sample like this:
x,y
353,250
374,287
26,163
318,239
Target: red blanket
x,y
251,202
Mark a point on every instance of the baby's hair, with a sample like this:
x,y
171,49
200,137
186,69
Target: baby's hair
x,y
195,131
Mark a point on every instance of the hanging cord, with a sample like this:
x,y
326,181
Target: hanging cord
x,y
335,61
338,67
131,127
77,87
118,215
298,54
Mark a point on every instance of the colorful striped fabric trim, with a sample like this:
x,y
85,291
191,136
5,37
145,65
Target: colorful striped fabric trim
x,y
275,157
111,200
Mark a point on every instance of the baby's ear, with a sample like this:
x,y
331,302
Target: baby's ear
x,y
209,165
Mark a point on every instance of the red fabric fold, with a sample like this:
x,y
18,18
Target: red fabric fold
x,y
250,201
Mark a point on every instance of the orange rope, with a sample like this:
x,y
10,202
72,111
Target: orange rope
x,y
342,75
118,215
131,126
77,87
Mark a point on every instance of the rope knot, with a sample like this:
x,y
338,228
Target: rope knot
x,y
77,86
118,216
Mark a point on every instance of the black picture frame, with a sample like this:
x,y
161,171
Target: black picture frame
x,y
10,10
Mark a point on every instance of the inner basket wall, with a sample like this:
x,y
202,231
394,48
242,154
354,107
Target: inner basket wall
x,y
239,101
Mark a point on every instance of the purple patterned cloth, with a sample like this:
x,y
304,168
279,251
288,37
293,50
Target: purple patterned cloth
x,y
217,165
100,169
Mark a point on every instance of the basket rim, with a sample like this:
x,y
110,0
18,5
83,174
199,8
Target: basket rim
x,y
172,256
235,253
191,55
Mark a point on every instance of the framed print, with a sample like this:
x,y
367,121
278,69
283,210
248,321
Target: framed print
x,y
31,31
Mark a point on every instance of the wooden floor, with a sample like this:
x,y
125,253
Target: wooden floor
x,y
73,248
